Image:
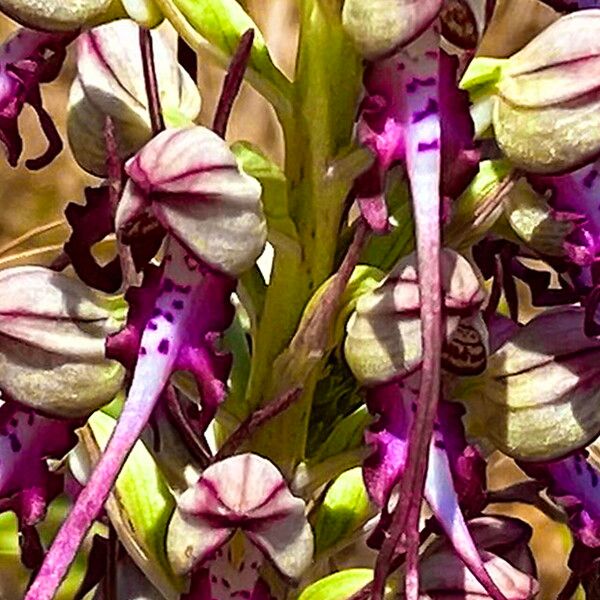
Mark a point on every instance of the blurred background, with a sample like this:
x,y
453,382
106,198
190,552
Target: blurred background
x,y
32,199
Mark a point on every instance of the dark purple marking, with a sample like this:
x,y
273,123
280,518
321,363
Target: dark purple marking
x,y
593,475
439,444
152,326
178,304
242,565
432,108
245,594
590,178
254,565
219,553
578,468
413,407
156,312
213,579
168,258
184,289
225,583
401,66
143,351
431,54
15,444
169,317
14,421
30,418
428,146
163,346
416,82
168,285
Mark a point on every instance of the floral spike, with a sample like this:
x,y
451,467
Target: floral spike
x,y
192,307
27,59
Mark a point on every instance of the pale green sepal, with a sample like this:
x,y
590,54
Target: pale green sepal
x,y
140,508
345,508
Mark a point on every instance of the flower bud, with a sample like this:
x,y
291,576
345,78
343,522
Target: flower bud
x,y
191,182
380,27
58,15
547,116
246,493
110,83
52,334
383,339
538,398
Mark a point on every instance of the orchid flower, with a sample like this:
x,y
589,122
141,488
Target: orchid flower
x,y
187,192
384,345
246,494
27,59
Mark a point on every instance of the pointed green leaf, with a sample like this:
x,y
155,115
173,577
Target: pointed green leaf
x,y
345,508
339,586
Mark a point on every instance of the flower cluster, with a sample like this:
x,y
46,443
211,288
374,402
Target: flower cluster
x,y
321,427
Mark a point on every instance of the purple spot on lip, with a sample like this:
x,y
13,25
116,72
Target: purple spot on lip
x,y
142,351
590,178
15,444
168,285
30,418
178,304
152,326
169,317
225,583
14,421
431,54
439,444
184,289
415,82
428,146
163,346
432,108
578,468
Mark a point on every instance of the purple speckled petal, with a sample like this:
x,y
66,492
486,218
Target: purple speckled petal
x,y
27,59
385,467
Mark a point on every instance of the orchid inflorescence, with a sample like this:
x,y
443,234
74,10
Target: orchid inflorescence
x,y
319,428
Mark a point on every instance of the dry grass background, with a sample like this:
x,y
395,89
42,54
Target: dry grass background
x,y
31,199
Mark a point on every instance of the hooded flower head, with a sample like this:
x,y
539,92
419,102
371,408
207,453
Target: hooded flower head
x,y
537,398
243,493
547,106
53,331
110,83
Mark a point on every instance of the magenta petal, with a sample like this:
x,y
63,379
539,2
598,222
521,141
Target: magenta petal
x,y
28,59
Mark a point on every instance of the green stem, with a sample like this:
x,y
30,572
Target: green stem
x,y
326,92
